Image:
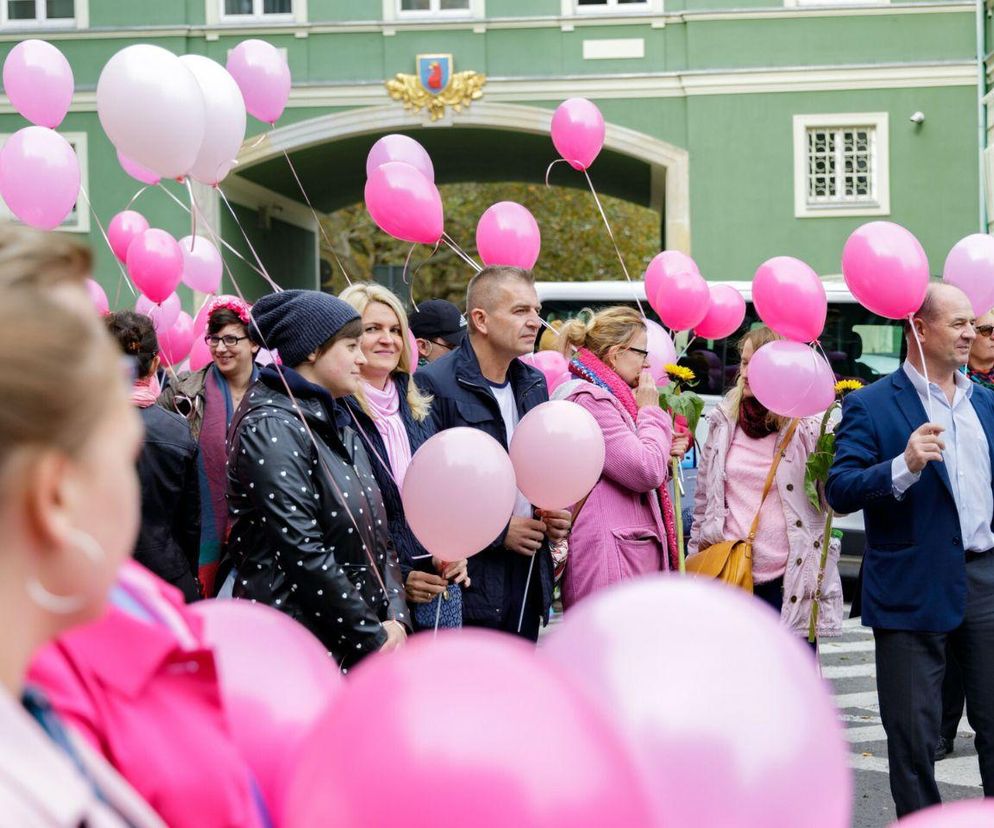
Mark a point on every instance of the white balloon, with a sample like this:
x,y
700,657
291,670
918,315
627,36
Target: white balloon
x,y
151,108
224,128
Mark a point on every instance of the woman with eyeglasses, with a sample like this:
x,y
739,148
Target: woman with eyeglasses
x,y
208,399
980,368
625,526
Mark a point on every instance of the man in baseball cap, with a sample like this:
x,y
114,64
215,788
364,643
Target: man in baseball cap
x,y
439,327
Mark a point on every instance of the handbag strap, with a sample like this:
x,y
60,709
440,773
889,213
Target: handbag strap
x,y
778,456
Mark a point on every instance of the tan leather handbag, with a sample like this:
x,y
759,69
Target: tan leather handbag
x,y
731,560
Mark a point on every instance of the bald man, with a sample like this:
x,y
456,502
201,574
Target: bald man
x,y
482,384
914,452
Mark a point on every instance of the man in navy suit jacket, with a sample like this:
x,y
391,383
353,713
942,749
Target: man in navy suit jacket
x,y
916,457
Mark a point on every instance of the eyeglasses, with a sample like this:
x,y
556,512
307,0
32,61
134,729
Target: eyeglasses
x,y
229,341
644,353
984,330
443,344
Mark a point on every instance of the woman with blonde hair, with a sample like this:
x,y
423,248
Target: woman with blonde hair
x,y
393,419
69,513
624,527
743,439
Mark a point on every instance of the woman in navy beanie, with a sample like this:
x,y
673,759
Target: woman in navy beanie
x,y
308,531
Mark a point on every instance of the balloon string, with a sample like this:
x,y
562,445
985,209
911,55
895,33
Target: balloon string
x,y
218,239
134,198
414,275
106,238
921,353
548,170
610,233
193,211
462,254
438,615
248,241
686,348
317,219
524,597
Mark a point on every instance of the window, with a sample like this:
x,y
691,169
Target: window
x,y
18,13
233,11
583,6
841,165
448,7
78,221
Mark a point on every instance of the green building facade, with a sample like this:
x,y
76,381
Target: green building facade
x,y
754,128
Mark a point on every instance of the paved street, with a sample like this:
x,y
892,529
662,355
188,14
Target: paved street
x,y
848,663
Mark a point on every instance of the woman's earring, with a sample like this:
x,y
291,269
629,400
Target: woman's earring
x,y
66,604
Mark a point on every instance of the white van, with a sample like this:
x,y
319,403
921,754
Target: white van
x,y
859,345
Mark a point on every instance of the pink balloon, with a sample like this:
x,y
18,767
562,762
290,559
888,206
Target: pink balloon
x,y
507,234
970,266
728,721
97,296
137,171
412,344
552,364
459,492
791,379
276,681
123,229
163,314
155,263
667,262
200,354
886,269
396,147
488,771
267,356
976,813
263,76
662,351
224,125
404,203
578,132
201,264
39,177
790,298
38,80
725,313
175,342
556,381
679,295
558,454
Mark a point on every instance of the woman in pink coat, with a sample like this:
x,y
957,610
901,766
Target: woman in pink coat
x,y
624,528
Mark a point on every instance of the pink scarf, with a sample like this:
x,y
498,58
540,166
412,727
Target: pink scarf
x,y
586,365
385,406
146,391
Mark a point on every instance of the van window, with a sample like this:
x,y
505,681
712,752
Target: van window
x,y
859,344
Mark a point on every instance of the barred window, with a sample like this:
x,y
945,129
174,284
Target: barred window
x,y
840,165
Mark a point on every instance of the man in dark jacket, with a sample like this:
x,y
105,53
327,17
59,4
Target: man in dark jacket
x,y
482,384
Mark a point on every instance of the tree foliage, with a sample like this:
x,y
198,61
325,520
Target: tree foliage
x,y
575,243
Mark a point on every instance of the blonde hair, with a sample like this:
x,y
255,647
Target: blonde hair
x,y
601,331
549,340
60,364
359,296
757,337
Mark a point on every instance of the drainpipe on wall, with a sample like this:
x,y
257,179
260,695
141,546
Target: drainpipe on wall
x,y
982,111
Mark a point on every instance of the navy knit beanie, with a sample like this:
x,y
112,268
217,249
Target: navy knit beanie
x,y
297,322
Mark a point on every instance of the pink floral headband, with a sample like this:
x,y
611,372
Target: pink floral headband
x,y
233,304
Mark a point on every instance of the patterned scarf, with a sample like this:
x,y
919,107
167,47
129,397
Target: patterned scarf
x,y
587,366
754,419
985,378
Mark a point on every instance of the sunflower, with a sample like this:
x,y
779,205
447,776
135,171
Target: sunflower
x,y
679,373
843,387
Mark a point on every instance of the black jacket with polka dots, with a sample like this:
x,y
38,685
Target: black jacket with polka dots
x,y
309,533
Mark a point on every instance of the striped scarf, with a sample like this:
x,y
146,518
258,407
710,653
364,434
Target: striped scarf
x,y
587,366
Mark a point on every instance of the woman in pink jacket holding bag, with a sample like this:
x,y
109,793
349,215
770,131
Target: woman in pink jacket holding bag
x,y
624,528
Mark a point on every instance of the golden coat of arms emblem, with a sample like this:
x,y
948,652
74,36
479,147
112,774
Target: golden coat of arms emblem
x,y
435,86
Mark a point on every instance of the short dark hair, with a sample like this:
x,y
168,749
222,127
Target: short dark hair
x,y
350,330
220,319
480,292
135,334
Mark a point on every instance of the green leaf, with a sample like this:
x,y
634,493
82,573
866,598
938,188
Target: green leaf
x,y
816,470
826,444
811,490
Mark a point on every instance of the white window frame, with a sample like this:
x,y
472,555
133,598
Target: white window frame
x,y
393,12
216,14
877,121
80,19
79,220
611,7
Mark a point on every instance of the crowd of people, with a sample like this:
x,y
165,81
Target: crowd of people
x,y
283,485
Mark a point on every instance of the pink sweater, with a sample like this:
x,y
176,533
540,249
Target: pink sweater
x,y
751,460
619,533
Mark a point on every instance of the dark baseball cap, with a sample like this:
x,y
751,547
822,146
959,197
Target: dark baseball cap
x,y
438,318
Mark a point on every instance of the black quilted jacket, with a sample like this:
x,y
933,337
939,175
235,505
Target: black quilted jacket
x,y
292,540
